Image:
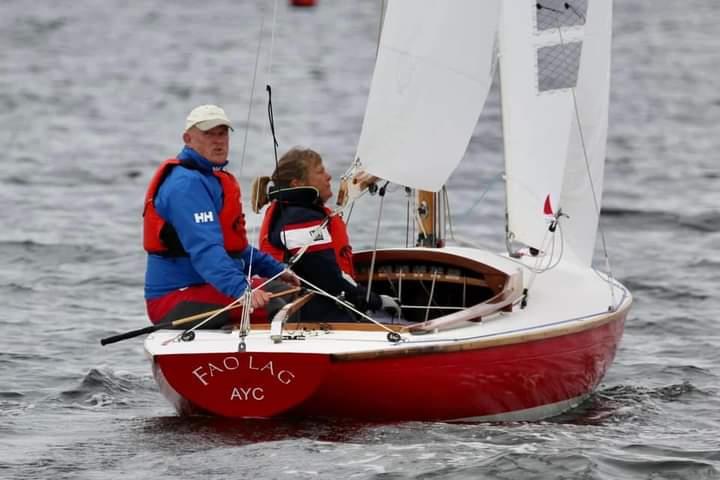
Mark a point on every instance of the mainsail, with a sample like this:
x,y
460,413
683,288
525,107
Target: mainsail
x,y
554,69
432,76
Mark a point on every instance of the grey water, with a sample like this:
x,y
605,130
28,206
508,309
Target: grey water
x,y
93,96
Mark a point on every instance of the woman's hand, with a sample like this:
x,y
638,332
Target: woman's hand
x,y
290,277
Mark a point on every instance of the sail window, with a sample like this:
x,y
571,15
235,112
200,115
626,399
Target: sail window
x,y
560,13
558,66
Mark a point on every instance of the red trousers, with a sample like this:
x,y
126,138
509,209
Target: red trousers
x,y
198,299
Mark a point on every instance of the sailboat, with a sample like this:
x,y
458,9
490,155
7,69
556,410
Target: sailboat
x,y
485,336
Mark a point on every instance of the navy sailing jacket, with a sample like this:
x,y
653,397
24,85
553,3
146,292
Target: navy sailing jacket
x,y
298,222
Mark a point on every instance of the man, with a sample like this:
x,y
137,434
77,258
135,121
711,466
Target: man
x,y
199,257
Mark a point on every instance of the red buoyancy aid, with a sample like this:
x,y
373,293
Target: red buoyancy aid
x,y
336,227
232,219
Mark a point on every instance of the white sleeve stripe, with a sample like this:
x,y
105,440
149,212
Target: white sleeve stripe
x,y
299,237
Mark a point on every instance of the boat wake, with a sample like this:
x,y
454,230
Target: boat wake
x,y
105,387
627,404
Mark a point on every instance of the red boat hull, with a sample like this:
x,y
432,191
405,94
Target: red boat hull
x,y
465,382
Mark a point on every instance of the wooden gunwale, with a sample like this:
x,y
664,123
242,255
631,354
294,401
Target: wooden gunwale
x,y
459,345
482,343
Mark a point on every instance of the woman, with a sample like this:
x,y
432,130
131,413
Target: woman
x,y
297,218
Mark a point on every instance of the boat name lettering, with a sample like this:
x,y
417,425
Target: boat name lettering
x,y
283,376
204,373
249,393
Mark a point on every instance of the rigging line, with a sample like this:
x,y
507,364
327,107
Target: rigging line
x,y
493,180
245,319
416,216
431,296
614,285
350,210
408,193
268,88
552,260
429,293
535,270
550,263
271,119
541,265
272,39
439,218
448,214
381,192
252,92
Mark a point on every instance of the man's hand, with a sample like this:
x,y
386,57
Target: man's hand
x,y
290,277
259,298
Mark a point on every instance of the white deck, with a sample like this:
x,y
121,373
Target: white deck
x,y
560,300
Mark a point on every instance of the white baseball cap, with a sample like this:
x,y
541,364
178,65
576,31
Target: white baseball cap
x,y
206,117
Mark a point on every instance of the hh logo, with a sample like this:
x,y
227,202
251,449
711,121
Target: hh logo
x,y
203,217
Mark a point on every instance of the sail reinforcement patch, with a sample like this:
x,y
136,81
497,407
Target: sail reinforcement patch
x,y
558,66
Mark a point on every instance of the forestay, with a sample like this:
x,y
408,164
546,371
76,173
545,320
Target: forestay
x,y
554,69
433,72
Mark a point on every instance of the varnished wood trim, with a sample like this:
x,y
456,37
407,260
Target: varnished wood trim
x,y
441,278
494,278
340,326
483,343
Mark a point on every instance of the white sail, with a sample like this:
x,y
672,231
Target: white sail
x,y
554,55
431,79
583,182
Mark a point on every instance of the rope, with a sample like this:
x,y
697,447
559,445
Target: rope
x,y
381,192
431,295
448,215
493,179
408,194
272,39
252,92
247,297
271,119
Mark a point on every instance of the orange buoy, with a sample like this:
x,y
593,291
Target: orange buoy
x,y
302,3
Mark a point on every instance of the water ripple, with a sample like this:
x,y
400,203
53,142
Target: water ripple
x,y
657,219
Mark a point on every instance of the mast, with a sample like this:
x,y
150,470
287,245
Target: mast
x,y
426,215
430,218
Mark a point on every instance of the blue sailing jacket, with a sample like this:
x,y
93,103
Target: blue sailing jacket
x,y
190,200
